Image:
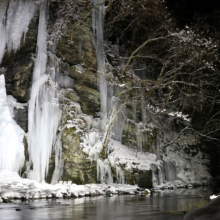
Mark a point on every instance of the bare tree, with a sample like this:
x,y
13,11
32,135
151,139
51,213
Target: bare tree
x,y
182,62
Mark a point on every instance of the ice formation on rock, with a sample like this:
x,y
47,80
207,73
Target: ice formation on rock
x,y
107,99
15,17
98,29
104,172
13,104
170,171
120,175
11,135
44,112
59,163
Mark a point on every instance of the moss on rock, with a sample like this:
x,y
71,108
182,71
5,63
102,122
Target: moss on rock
x,y
77,168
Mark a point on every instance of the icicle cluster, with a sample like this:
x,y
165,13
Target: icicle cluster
x,y
15,17
44,113
104,172
170,171
118,125
59,163
120,175
11,135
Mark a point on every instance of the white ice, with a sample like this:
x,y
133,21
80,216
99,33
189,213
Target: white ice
x,y
13,104
44,113
11,135
15,17
104,173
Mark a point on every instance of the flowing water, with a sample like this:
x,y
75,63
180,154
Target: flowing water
x,y
169,205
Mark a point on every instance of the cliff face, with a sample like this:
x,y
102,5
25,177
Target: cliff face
x,y
135,152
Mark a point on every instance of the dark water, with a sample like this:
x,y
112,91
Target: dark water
x,y
165,205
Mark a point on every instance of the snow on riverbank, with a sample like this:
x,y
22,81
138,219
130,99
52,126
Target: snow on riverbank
x,y
12,186
213,197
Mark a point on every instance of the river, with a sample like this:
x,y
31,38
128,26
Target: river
x,y
161,205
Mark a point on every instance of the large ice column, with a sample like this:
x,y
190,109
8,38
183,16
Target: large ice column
x,y
44,112
11,135
15,17
98,29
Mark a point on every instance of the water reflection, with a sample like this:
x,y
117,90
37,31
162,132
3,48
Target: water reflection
x,y
161,205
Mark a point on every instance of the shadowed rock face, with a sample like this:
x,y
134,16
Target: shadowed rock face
x,y
21,117
209,212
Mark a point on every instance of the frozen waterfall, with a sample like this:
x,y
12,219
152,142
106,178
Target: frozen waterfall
x,y
44,112
107,98
98,33
11,135
15,17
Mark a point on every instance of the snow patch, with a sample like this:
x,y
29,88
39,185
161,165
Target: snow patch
x,y
13,186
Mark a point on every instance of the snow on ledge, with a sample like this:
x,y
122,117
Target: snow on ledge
x,y
132,159
13,186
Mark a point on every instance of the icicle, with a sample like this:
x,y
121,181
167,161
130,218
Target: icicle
x,y
104,173
44,113
53,68
120,175
15,25
170,171
107,100
158,175
3,35
98,33
11,135
98,28
139,135
161,178
59,163
119,121
15,17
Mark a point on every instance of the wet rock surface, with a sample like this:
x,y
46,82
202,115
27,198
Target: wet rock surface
x,y
210,211
77,167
